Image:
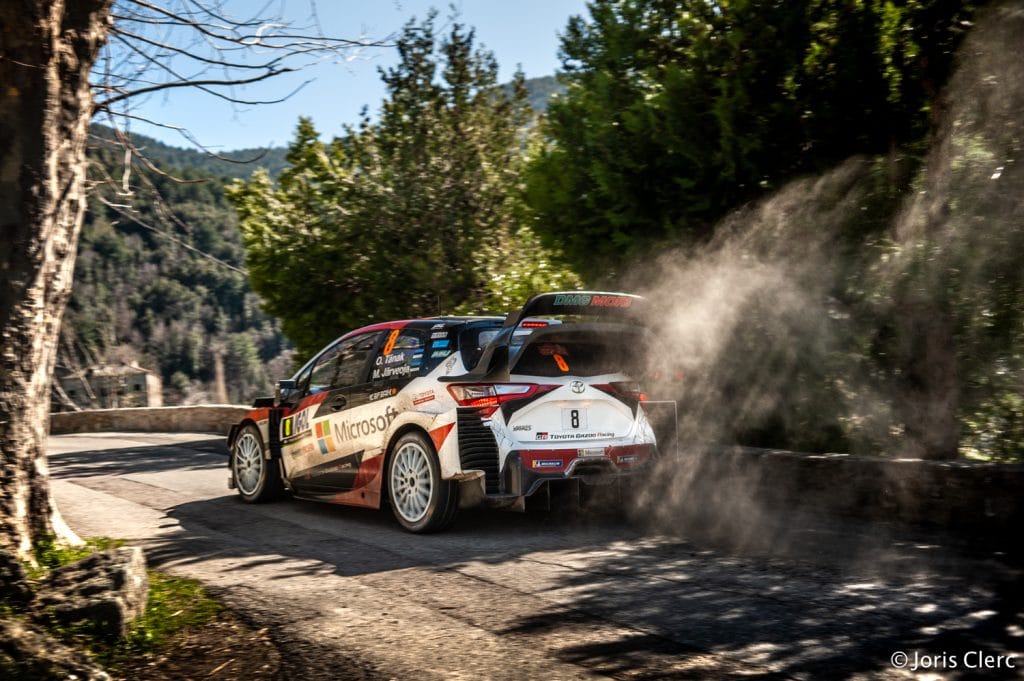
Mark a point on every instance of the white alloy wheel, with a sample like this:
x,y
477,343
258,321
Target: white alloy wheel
x,y
420,499
257,478
248,463
411,481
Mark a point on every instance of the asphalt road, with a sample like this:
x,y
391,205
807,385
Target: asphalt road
x,y
347,594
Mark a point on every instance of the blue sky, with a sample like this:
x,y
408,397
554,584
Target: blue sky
x,y
524,32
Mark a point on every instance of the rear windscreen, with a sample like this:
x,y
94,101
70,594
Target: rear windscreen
x,y
576,354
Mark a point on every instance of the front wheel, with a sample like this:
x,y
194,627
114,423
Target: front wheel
x,y
420,499
257,478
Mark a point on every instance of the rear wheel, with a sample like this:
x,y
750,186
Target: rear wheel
x,y
257,478
420,499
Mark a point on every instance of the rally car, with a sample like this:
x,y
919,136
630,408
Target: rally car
x,y
431,415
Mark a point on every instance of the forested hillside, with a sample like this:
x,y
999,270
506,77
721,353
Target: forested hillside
x,y
214,163
171,294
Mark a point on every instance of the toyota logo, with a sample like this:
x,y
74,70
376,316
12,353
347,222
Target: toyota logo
x,y
578,386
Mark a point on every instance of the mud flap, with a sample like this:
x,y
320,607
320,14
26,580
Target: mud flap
x,y
274,434
471,493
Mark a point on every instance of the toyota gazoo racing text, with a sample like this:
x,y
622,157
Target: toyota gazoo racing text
x,y
433,415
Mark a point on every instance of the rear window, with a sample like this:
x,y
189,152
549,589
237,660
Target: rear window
x,y
577,354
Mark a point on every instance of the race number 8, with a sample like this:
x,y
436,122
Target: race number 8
x,y
574,419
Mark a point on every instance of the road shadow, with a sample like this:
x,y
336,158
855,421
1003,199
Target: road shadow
x,y
799,604
786,621
356,541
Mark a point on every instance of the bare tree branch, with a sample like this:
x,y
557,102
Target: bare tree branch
x,y
201,85
166,45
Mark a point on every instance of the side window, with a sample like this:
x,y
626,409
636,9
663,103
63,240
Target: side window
x,y
342,364
301,381
322,377
354,353
401,356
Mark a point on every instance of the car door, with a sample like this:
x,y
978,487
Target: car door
x,y
326,461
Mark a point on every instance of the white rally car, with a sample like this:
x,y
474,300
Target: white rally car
x,y
433,415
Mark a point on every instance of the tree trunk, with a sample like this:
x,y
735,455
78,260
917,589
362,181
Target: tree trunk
x,y
47,50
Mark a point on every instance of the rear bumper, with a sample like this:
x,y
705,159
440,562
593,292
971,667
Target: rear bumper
x,y
528,471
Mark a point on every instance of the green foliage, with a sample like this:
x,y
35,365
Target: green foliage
x,y
50,554
416,214
10,670
678,111
174,604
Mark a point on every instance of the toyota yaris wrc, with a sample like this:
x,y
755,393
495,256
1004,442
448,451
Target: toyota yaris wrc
x,y
432,415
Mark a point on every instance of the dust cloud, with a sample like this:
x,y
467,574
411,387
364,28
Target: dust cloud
x,y
873,310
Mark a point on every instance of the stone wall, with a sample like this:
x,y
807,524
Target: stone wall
x,y
953,494
206,418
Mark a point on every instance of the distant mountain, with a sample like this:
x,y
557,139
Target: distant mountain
x,y
238,164
540,90
241,162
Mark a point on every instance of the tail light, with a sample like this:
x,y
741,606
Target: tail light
x,y
487,397
628,389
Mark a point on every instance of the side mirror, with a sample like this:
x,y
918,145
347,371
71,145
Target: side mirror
x,y
286,385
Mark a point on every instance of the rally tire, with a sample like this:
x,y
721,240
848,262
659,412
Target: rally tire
x,y
257,478
421,501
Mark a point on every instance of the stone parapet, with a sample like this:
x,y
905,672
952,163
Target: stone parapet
x,y
204,418
953,494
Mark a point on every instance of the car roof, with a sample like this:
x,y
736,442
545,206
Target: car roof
x,y
422,322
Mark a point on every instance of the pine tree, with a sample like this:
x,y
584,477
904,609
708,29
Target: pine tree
x,y
414,215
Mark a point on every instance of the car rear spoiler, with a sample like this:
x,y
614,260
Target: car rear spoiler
x,y
598,303
493,366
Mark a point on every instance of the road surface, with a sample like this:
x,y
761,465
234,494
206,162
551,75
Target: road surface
x,y
348,595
